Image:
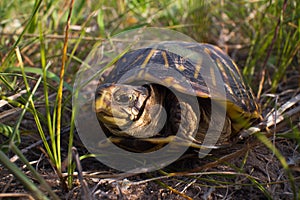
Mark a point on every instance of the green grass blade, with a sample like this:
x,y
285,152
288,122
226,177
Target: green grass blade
x,y
30,21
260,187
6,130
70,145
31,103
38,194
46,91
39,71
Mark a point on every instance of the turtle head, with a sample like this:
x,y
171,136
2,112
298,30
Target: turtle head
x,y
127,110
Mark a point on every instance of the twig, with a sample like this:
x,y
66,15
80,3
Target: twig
x,y
12,97
85,190
40,142
274,117
16,195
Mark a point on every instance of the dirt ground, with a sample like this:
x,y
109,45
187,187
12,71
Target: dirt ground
x,y
239,172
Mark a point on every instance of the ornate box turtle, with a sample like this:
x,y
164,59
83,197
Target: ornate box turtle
x,y
136,108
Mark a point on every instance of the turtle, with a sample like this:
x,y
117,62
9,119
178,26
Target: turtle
x,y
155,83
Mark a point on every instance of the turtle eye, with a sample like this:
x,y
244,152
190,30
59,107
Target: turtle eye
x,y
125,98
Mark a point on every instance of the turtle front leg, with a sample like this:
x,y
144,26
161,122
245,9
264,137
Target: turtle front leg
x,y
193,125
183,120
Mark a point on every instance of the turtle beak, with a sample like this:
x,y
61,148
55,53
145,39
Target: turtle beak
x,y
103,106
103,99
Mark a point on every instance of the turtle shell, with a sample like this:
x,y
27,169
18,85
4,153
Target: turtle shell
x,y
209,71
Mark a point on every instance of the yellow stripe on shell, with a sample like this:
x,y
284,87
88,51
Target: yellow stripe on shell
x,y
136,60
236,83
234,73
180,67
217,52
237,69
221,68
208,51
148,58
224,74
164,55
198,68
171,82
140,75
213,76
